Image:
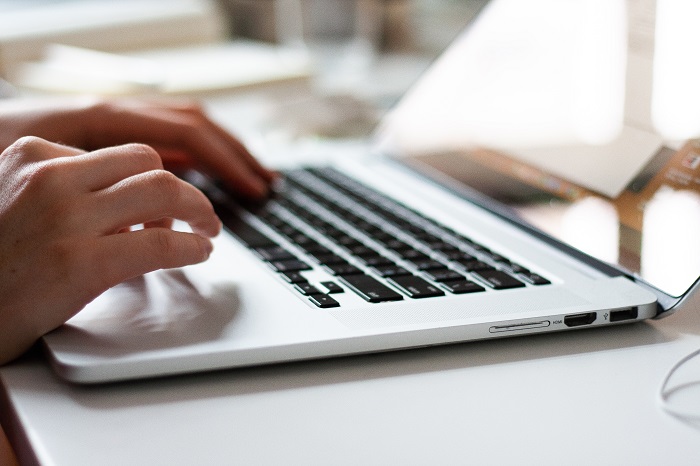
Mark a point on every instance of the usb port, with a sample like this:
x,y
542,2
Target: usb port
x,y
624,314
574,320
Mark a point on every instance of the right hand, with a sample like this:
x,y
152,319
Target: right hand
x,y
65,230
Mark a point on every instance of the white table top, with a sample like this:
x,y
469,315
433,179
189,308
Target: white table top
x,y
586,397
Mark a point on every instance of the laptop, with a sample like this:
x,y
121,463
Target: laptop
x,y
541,176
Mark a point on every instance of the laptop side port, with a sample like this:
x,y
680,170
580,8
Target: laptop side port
x,y
575,320
624,314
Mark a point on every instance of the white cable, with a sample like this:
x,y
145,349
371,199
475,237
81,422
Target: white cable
x,y
665,392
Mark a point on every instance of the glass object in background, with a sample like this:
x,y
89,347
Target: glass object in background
x,y
343,34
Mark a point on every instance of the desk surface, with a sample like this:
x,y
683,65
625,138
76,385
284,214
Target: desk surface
x,y
587,397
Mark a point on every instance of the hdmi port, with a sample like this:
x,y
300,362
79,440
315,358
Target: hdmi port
x,y
574,320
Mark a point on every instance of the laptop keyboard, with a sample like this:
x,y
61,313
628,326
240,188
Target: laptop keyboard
x,y
371,244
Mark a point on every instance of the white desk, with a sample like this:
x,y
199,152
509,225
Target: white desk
x,y
586,397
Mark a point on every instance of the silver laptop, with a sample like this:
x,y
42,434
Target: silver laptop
x,y
541,176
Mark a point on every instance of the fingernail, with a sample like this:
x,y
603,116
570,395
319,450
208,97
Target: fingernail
x,y
259,187
208,247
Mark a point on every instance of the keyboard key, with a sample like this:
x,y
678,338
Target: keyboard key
x,y
416,287
343,269
333,287
474,265
249,235
315,248
306,289
397,245
390,271
293,277
293,265
516,268
362,251
429,264
323,301
458,255
329,259
444,275
301,239
498,280
274,253
376,261
463,286
414,255
534,279
370,289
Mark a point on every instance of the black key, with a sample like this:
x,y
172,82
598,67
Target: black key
x,y
444,275
376,261
301,239
289,230
250,235
474,265
370,289
416,287
343,269
306,289
293,265
274,253
347,241
390,271
516,268
458,255
429,264
414,255
329,259
534,278
293,277
463,286
382,236
323,301
397,245
315,248
497,257
362,251
499,280
333,287
443,247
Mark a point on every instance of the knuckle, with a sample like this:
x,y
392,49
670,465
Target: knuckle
x,y
166,247
28,146
194,107
144,154
167,185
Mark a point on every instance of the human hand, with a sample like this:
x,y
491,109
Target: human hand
x,y
181,133
65,236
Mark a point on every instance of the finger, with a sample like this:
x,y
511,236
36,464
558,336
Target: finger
x,y
164,127
119,257
228,138
105,167
160,223
150,197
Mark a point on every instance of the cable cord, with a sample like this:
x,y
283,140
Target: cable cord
x,y
666,392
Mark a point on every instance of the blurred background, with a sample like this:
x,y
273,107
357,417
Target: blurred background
x,y
292,69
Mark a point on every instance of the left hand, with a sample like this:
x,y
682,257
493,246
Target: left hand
x,y
180,132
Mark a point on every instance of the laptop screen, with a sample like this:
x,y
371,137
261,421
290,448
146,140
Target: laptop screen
x,y
582,116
